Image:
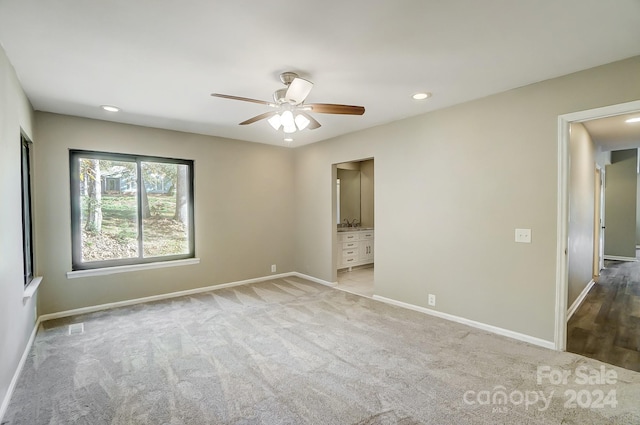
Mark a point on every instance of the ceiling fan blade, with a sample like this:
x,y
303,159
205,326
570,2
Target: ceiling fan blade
x,y
245,99
313,124
258,118
330,108
298,90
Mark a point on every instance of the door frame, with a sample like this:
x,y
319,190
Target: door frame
x,y
598,224
334,213
562,269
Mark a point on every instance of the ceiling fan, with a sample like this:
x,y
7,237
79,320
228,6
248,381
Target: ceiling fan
x,y
290,112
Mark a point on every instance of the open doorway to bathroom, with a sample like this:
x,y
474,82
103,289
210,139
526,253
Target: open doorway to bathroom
x,y
355,226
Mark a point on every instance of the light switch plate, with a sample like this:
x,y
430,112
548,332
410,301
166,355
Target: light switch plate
x,y
523,235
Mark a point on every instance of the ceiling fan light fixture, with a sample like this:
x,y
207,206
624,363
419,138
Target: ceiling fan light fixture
x,y
286,119
302,122
289,130
275,121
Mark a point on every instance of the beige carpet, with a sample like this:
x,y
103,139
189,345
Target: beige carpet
x,y
290,351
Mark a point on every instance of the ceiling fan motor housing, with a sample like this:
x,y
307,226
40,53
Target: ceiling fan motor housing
x,y
288,77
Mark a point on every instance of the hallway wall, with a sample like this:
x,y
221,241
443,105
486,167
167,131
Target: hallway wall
x,y
581,210
620,204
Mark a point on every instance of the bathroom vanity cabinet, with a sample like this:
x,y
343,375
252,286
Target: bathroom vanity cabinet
x,y
354,247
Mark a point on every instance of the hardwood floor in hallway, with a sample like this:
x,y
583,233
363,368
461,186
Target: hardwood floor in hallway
x,y
606,327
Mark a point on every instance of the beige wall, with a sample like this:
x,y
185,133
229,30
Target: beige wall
x,y
620,204
16,318
451,187
244,210
581,210
367,198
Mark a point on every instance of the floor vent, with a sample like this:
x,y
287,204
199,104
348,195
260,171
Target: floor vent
x,y
76,329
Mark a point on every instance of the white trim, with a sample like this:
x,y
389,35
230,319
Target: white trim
x,y
16,375
489,328
619,258
31,288
562,265
314,279
562,275
130,268
578,301
125,303
602,112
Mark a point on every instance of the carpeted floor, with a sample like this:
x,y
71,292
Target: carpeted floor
x,y
289,351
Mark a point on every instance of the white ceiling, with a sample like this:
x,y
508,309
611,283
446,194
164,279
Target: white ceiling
x,y
614,133
159,59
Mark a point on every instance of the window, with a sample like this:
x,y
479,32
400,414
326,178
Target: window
x,y
27,222
128,209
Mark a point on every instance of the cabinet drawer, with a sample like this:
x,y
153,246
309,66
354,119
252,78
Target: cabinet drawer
x,y
353,252
349,260
349,245
366,235
346,237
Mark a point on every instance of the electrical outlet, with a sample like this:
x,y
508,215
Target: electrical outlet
x,y
523,235
273,268
432,300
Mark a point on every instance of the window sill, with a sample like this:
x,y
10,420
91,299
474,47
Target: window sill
x,y
31,288
134,267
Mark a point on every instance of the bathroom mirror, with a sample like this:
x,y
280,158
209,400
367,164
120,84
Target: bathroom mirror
x,y
349,193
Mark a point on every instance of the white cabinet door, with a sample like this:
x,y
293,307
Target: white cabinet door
x,y
366,251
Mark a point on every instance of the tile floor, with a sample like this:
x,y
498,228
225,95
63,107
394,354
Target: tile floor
x,y
359,280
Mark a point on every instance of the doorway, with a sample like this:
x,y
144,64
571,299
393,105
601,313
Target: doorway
x,y
565,226
354,226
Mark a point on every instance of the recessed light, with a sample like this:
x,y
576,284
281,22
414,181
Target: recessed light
x,y
636,119
421,96
288,139
110,108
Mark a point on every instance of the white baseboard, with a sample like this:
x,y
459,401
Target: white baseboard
x,y
490,328
314,279
16,375
578,301
619,258
125,303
